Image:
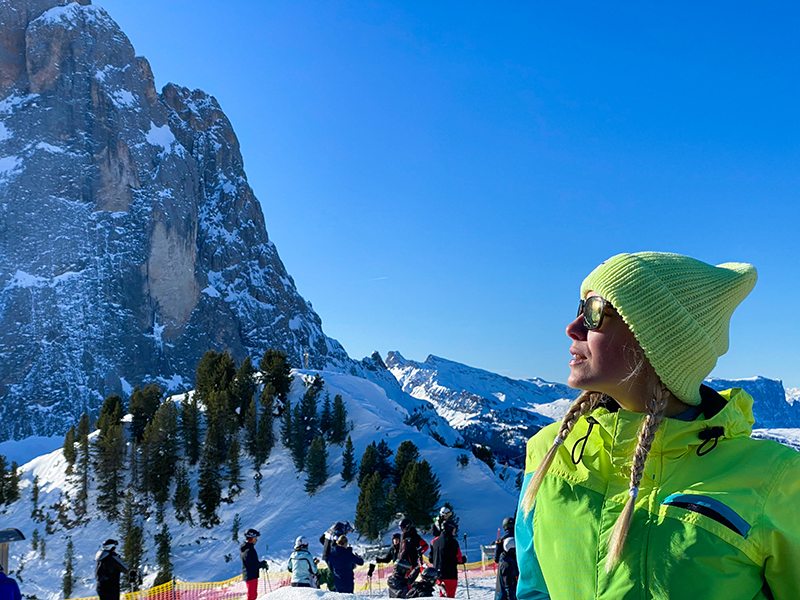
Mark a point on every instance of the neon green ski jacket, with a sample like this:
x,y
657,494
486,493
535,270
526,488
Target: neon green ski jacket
x,y
714,519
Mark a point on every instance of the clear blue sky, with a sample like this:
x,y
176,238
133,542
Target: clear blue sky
x,y
439,177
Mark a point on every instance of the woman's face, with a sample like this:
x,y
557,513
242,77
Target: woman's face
x,y
604,359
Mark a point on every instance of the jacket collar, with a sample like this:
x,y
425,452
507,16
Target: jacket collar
x,y
731,410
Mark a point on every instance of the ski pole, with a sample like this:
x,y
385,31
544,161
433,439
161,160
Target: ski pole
x,y
269,585
466,579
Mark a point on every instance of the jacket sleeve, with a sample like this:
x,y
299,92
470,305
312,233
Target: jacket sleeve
x,y
531,584
357,559
423,546
780,568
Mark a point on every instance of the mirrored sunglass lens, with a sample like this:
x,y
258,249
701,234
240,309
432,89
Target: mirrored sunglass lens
x,y
593,312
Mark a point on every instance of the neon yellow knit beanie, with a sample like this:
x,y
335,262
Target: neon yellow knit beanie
x,y
678,308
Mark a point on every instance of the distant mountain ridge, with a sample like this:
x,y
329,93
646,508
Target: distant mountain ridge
x,y
130,239
484,407
487,408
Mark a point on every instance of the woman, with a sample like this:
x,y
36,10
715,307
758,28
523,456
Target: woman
x,y
651,486
302,565
342,560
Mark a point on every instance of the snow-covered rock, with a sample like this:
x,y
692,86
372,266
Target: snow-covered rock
x,y
131,240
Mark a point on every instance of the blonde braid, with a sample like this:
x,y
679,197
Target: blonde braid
x,y
583,405
655,414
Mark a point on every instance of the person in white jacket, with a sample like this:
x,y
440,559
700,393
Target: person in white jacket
x,y
302,565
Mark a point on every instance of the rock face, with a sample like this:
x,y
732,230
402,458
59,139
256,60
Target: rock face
x,y
771,407
130,240
484,407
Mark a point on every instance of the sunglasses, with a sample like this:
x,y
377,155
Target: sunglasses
x,y
592,309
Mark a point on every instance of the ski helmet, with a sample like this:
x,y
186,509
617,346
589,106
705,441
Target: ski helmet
x,y
430,574
406,523
445,512
509,544
251,533
396,536
109,544
508,523
301,542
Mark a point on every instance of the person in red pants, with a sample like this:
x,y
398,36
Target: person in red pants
x,y
445,558
250,563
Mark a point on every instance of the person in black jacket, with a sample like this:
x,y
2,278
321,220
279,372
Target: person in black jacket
x,y
508,532
108,568
425,586
507,572
400,580
342,560
250,563
328,539
412,546
445,558
394,551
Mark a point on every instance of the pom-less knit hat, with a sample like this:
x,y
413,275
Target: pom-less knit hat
x,y
678,308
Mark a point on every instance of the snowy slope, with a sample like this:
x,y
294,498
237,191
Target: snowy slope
x,y
283,511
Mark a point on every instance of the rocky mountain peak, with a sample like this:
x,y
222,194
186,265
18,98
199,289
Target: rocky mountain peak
x,y
130,239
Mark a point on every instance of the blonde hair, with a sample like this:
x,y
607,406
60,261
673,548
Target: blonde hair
x,y
656,407
583,405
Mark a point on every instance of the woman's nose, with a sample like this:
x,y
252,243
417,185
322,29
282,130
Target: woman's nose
x,y
576,330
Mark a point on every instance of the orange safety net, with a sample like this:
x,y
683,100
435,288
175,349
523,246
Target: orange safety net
x,y
236,588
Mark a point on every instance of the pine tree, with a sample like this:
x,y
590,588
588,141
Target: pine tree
x,y
326,417
265,437
407,453
36,512
12,483
383,463
160,451
316,466
418,493
143,407
182,500
309,423
275,369
234,469
69,449
163,556
132,535
485,454
257,477
369,461
133,466
68,581
243,389
339,426
109,464
110,413
209,493
251,428
190,428
372,514
237,524
82,466
348,462
298,447
35,540
3,478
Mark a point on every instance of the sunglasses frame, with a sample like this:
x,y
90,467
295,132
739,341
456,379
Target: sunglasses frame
x,y
582,312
